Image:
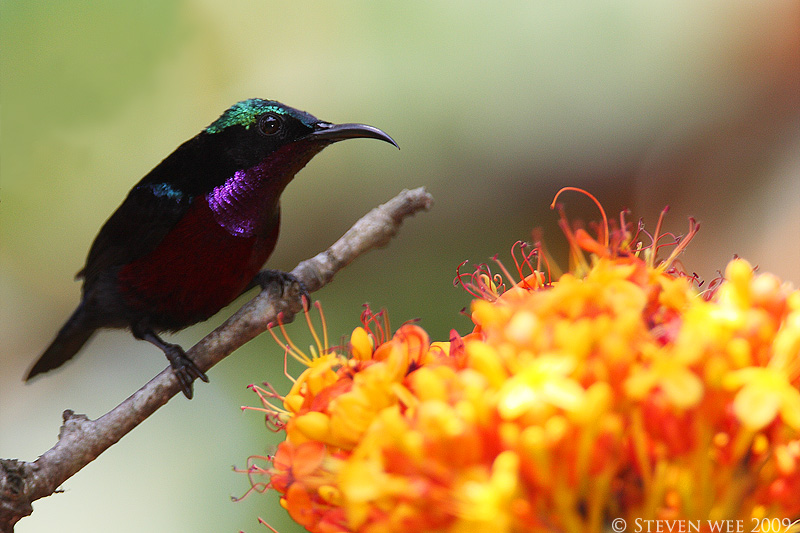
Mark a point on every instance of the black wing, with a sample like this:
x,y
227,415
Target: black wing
x,y
149,212
160,199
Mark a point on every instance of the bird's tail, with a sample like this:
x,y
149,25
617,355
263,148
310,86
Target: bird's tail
x,y
70,339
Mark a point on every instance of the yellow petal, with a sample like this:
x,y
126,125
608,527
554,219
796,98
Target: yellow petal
x,y
683,388
314,425
361,344
756,406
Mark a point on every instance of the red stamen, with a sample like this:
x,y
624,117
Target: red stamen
x,y
596,202
264,522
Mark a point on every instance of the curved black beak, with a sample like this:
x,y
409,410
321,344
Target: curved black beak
x,y
339,132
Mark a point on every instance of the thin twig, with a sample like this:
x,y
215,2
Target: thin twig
x,y
81,440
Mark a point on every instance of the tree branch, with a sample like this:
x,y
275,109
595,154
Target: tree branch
x,y
81,440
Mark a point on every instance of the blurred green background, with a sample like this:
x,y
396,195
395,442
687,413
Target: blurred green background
x,y
496,105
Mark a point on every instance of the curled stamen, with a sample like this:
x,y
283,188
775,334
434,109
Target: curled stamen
x,y
379,321
635,237
656,236
524,262
481,283
251,471
496,279
459,279
274,416
694,227
713,286
677,270
596,202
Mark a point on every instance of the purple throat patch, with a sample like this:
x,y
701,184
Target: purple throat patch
x,y
237,203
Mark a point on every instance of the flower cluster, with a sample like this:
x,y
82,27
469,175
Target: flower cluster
x,y
617,390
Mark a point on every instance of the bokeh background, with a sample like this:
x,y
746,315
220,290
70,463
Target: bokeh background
x,y
496,105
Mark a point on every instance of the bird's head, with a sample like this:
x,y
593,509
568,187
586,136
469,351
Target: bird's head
x,y
255,129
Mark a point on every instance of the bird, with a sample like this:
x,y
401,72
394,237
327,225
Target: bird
x,y
194,233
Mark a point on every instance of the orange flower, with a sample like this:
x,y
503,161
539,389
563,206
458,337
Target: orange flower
x,y
616,390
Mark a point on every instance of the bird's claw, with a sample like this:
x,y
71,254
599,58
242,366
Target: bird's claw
x,y
185,370
267,278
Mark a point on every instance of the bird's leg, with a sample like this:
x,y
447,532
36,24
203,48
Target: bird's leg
x,y
183,367
266,278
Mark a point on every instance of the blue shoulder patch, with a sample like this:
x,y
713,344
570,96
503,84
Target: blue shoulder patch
x,y
164,190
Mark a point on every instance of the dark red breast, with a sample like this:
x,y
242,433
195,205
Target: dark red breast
x,y
196,270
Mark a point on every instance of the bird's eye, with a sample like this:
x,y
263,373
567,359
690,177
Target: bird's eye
x,y
269,124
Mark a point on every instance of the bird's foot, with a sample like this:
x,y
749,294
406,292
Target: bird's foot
x,y
285,280
183,368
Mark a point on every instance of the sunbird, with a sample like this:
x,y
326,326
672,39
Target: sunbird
x,y
193,234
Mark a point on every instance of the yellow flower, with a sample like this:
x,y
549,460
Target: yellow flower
x,y
617,390
764,394
539,387
682,387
